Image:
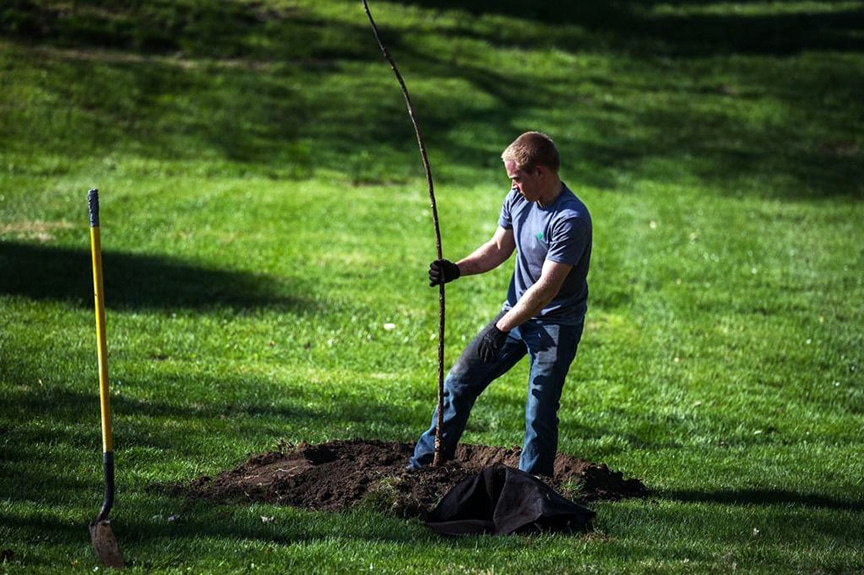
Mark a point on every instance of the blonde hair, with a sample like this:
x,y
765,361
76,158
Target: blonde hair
x,y
533,149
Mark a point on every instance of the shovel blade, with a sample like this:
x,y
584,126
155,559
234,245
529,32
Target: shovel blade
x,y
105,544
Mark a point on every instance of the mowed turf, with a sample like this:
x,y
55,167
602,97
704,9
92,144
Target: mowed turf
x,y
266,231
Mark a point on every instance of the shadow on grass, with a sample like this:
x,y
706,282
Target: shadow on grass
x,y
34,456
633,25
229,521
282,108
764,497
199,416
73,407
157,543
224,29
136,281
190,27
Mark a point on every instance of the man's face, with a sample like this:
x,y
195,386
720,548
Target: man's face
x,y
526,183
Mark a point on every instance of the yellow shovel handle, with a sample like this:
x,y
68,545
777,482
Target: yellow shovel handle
x,y
96,252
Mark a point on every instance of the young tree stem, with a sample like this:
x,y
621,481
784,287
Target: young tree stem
x,y
441,307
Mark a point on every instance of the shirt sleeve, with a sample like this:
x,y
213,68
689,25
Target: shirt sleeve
x,y
505,219
569,240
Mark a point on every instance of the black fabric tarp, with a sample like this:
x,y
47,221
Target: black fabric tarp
x,y
501,500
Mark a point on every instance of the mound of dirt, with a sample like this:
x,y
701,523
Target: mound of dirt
x,y
340,475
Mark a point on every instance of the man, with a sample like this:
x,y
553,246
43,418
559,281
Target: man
x,y
549,228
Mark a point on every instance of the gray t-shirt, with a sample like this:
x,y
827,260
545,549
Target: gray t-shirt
x,y
561,233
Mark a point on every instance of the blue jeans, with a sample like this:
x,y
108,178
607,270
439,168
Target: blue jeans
x,y
551,349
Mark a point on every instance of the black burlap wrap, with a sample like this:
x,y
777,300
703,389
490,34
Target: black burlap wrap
x,y
501,500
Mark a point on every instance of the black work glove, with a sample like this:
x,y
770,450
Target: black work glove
x,y
443,271
491,341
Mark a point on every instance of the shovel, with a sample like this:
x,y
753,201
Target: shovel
x,y
104,541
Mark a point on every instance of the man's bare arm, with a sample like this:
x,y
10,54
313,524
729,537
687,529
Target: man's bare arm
x,y
490,255
537,296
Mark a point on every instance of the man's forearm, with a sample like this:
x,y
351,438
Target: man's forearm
x,y
477,264
532,302
537,296
489,255
485,258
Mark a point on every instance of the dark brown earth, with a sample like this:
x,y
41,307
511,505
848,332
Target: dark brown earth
x,y
340,475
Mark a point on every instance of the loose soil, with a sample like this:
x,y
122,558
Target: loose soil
x,y
340,475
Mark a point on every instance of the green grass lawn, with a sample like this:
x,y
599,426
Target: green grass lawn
x,y
264,215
